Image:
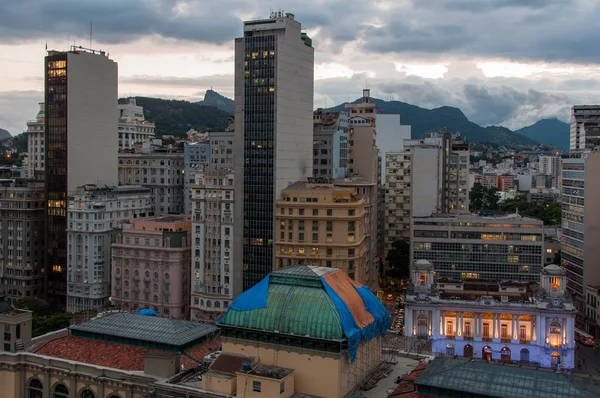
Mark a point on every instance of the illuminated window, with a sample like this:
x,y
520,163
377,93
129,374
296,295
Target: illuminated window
x,y
315,251
512,259
555,283
350,238
555,331
301,250
57,268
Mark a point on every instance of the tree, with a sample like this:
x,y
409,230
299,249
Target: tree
x,y
476,196
483,198
37,306
549,213
43,320
491,199
398,259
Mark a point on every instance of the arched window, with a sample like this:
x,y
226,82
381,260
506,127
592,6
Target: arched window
x,y
166,275
147,274
524,355
136,273
555,335
155,286
87,393
217,304
208,304
35,389
61,391
155,298
156,275
202,303
126,272
450,349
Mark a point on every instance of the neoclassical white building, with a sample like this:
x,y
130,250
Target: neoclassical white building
x,y
509,322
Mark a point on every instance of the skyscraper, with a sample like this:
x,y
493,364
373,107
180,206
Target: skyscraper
x,y
80,125
585,128
274,69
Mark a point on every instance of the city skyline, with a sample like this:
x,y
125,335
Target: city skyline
x,y
504,62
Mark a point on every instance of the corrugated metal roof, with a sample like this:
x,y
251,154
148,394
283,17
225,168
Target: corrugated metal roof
x,y
146,328
292,309
495,380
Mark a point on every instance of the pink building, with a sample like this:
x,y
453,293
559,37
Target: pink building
x,y
151,265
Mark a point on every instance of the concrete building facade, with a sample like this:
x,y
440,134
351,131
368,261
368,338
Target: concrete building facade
x,y
322,225
551,166
132,127
330,144
274,87
213,272
93,215
440,164
585,130
510,324
161,170
196,155
151,265
580,222
80,113
21,238
36,152
474,247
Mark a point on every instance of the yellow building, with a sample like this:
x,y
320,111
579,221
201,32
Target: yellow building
x,y
322,225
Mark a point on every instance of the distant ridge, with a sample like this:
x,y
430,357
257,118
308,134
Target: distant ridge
x,y
4,134
215,99
548,131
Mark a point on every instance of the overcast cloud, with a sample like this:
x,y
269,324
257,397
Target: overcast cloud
x,y
178,48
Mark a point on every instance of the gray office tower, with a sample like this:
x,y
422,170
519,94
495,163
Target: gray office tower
x,y
274,69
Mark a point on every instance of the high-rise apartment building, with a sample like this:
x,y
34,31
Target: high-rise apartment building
x,y
581,222
551,166
151,265
322,225
585,128
133,126
161,170
221,148
362,138
476,247
274,70
80,125
196,155
330,144
440,167
21,238
36,152
212,275
94,213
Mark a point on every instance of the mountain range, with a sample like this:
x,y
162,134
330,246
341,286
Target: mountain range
x,y
4,134
175,117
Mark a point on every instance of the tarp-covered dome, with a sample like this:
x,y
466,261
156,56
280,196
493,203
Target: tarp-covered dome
x,y
318,302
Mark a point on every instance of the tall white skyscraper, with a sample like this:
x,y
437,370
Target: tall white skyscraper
x,y
585,127
274,73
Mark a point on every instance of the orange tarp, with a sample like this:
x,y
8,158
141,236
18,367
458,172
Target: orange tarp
x,y
340,283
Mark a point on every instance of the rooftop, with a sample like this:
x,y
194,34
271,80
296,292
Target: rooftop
x,y
496,380
513,217
115,355
172,334
170,219
230,363
272,372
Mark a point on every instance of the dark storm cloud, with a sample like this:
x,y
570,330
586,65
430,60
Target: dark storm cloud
x,y
117,21
549,30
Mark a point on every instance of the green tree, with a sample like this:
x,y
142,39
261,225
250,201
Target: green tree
x,y
37,306
476,196
398,259
43,320
491,198
549,213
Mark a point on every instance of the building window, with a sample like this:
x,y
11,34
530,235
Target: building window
x,y
282,387
315,212
329,212
256,387
315,237
351,212
301,212
450,349
329,225
61,391
35,389
524,355
449,329
555,332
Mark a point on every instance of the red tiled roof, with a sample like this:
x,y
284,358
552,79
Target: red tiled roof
x,y
403,388
412,376
113,355
230,363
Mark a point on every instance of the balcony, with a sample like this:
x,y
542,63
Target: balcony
x,y
468,337
486,339
505,340
524,341
451,337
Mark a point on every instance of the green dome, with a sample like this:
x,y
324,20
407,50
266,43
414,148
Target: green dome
x,y
297,304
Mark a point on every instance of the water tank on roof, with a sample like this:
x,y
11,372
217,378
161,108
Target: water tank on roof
x,y
246,367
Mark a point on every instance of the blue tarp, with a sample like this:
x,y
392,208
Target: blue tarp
x,y
146,311
351,329
376,308
253,298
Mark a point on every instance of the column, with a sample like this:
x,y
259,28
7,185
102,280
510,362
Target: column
x,y
518,322
476,321
47,388
531,327
458,328
443,323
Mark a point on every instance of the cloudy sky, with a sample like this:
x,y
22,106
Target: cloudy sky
x,y
508,62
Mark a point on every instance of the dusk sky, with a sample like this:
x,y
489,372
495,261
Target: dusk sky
x,y
508,62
